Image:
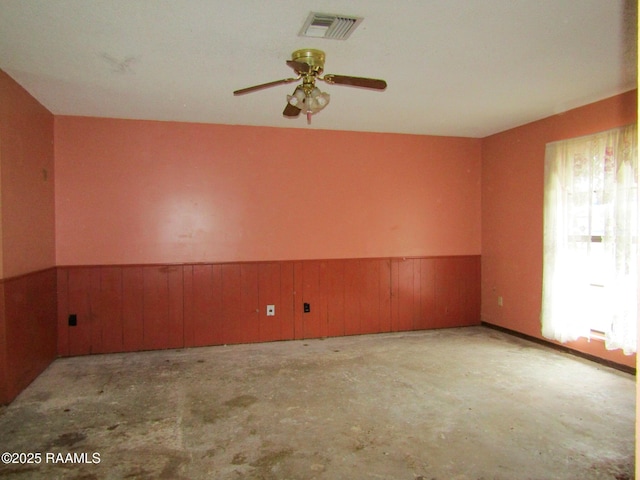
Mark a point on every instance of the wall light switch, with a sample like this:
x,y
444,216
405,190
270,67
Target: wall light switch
x,y
499,301
271,310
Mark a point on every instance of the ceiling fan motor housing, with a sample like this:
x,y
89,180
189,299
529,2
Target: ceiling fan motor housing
x,y
312,57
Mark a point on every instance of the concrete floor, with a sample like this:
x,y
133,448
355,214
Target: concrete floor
x,y
468,403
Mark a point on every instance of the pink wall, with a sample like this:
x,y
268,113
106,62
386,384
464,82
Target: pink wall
x,y
512,213
27,181
138,192
27,239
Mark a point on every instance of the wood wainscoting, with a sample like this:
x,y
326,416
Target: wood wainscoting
x,y
147,307
27,329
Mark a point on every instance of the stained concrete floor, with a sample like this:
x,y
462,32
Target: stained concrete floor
x,y
469,403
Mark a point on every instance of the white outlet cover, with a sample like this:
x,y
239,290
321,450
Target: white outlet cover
x,y
271,310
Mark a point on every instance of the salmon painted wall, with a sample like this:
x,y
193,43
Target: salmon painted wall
x,y
27,181
141,192
27,239
512,214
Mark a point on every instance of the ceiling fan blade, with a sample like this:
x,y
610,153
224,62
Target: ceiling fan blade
x,y
242,91
291,111
374,83
299,66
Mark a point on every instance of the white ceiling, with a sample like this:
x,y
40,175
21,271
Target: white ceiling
x,y
453,67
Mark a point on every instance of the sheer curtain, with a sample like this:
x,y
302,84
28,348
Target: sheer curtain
x,y
590,272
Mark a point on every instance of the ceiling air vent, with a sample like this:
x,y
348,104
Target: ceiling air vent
x,y
327,25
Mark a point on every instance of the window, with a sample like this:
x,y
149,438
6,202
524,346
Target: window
x,y
590,273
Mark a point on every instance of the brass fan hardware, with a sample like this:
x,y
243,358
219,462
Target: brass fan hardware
x,y
308,64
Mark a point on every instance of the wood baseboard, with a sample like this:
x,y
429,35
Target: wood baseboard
x,y
561,348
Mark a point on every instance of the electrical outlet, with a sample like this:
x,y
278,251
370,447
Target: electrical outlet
x,y
499,301
306,307
73,320
271,310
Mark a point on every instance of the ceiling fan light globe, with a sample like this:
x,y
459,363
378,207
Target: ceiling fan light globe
x,y
299,94
323,100
315,104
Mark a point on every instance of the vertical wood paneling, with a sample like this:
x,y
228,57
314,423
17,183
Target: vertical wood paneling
x,y
163,298
28,332
447,293
240,303
94,303
216,320
385,295
207,305
129,308
108,314
17,330
334,280
232,308
79,297
322,300
251,299
251,320
352,292
188,307
175,326
298,300
313,325
427,292
454,310
465,297
369,296
474,292
286,314
275,287
133,308
39,301
405,297
469,282
155,308
63,311
395,295
417,277
269,294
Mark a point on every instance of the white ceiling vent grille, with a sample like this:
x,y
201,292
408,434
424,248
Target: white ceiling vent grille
x,y
327,25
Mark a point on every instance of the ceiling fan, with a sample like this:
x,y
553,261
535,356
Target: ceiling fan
x,y
308,64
